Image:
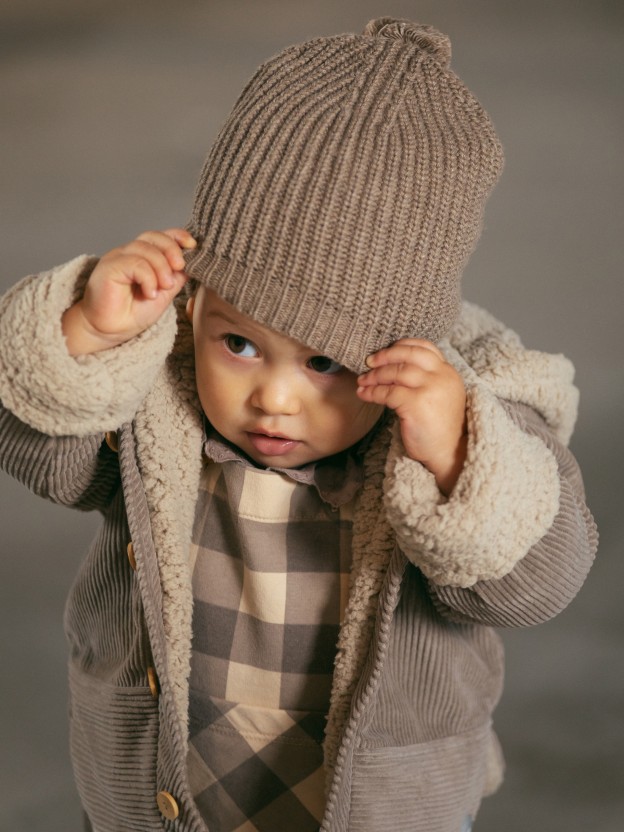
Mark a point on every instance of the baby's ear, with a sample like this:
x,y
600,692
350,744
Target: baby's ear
x,y
190,305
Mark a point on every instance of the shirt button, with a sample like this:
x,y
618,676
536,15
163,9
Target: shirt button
x,y
167,805
111,440
152,680
131,557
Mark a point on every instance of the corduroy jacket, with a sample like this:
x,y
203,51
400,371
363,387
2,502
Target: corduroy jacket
x,y
409,743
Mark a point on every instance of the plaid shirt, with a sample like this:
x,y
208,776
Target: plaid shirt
x,y
271,559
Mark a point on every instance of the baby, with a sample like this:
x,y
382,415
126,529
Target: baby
x,y
324,478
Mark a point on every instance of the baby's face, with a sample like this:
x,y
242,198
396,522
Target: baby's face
x,y
279,402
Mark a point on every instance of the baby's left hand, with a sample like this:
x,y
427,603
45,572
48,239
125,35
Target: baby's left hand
x,y
428,395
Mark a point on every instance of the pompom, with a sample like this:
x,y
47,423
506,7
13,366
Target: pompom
x,y
424,37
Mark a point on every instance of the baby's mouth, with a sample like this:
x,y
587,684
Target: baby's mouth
x,y
271,444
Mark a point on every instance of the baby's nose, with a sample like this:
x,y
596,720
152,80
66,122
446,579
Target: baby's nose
x,y
276,394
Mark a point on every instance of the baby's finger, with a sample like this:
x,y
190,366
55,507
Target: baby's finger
x,y
388,395
167,245
418,342
404,373
142,275
158,259
408,350
182,237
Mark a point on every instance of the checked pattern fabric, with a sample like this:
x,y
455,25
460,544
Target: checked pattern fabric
x,y
271,560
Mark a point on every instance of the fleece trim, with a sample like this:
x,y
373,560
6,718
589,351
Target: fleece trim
x,y
169,435
505,500
542,381
372,548
61,395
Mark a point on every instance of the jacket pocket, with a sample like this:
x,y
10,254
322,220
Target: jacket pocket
x,y
114,742
429,787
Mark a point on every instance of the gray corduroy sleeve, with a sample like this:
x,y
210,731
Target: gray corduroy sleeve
x,y
68,470
513,542
543,582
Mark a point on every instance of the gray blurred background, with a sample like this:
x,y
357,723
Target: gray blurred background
x,y
106,112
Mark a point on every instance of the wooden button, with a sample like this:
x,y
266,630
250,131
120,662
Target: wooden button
x,y
152,680
112,440
131,557
167,805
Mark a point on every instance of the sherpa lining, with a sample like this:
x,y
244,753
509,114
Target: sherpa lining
x,y
505,500
55,393
169,435
496,355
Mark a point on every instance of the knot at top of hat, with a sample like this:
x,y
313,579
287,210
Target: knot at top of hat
x,y
426,38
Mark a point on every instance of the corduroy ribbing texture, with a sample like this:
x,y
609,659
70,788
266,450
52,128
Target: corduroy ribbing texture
x,y
345,192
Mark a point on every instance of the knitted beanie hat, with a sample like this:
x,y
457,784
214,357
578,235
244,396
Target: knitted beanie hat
x,y
345,192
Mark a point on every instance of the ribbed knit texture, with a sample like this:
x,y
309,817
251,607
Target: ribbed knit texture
x,y
345,192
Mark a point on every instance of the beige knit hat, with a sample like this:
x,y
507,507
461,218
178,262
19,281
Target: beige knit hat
x,y
345,192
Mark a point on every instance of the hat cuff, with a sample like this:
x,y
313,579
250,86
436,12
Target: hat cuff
x,y
285,308
347,335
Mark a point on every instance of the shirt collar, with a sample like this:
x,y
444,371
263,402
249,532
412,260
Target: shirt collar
x,y
337,478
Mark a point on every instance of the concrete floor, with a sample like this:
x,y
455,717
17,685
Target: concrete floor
x,y
107,109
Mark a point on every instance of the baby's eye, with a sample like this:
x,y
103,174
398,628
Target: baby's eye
x,y
241,346
323,364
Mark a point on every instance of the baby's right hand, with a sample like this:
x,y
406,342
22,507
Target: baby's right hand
x,y
128,291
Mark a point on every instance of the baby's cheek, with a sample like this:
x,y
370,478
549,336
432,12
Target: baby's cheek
x,y
360,419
